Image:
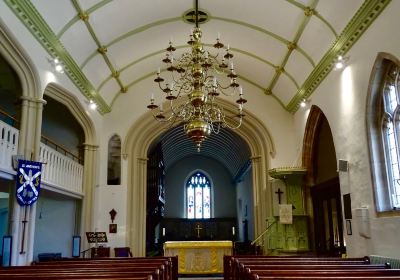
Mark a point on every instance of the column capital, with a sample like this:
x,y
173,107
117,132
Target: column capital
x,y
142,160
90,147
34,100
255,159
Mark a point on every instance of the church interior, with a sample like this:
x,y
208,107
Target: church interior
x,y
202,129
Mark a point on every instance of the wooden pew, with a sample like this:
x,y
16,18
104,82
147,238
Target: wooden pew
x,y
231,262
250,273
171,267
124,268
326,277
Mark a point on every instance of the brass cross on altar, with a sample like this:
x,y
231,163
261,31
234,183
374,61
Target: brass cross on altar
x,y
198,228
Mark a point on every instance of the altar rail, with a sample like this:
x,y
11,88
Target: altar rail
x,y
60,171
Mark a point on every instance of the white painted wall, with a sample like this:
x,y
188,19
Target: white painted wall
x,y
342,97
55,224
108,198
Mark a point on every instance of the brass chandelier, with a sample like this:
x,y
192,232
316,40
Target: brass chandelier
x,y
193,77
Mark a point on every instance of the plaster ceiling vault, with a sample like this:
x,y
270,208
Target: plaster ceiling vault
x,y
283,47
226,147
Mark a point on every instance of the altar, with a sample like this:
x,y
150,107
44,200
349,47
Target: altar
x,y
199,257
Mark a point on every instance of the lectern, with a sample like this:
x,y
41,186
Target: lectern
x,y
98,251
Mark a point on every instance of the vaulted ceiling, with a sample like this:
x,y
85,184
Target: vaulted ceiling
x,y
285,48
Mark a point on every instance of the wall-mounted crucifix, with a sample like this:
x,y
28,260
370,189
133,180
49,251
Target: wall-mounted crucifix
x,y
279,193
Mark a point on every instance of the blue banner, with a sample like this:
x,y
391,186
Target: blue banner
x,y
28,181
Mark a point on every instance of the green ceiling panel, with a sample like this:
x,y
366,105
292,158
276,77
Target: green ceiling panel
x,y
31,18
364,17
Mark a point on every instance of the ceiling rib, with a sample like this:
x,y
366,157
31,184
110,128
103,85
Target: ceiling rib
x,y
117,94
291,46
100,48
363,18
35,23
160,22
315,13
76,18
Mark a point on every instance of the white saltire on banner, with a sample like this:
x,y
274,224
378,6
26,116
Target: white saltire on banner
x,y
28,181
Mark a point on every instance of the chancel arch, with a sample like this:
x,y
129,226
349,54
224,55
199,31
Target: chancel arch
x,y
146,130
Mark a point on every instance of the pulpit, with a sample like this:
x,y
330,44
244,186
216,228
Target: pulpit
x,y
199,257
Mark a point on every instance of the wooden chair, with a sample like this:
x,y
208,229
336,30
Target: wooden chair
x,y
122,252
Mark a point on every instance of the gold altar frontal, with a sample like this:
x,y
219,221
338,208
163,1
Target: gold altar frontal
x,y
199,257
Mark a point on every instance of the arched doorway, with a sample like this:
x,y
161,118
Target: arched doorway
x,y
136,148
323,188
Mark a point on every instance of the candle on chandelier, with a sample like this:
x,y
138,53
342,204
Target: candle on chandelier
x,y
152,97
240,91
158,71
215,82
218,35
231,65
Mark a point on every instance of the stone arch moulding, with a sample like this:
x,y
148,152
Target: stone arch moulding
x,y
74,106
373,122
138,140
312,129
90,151
20,62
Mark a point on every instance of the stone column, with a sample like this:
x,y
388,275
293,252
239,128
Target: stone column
x,y
137,232
89,183
28,147
261,199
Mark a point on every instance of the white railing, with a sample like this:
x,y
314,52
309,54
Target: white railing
x,y
60,171
8,145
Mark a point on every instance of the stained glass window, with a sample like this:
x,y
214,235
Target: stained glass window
x,y
198,196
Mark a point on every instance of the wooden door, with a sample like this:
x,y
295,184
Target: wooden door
x,y
328,221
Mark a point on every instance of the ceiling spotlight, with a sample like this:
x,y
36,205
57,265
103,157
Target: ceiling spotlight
x,y
304,103
59,68
56,64
340,62
92,105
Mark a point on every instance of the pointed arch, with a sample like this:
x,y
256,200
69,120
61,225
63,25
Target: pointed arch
x,y
21,64
378,120
138,140
61,95
313,126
